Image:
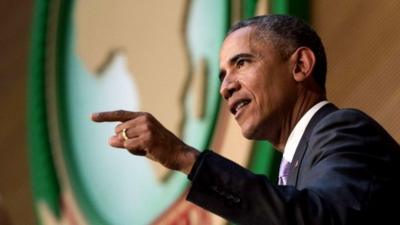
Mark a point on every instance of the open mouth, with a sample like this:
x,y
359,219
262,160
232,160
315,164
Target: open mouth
x,y
239,105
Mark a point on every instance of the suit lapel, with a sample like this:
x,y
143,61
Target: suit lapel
x,y
302,147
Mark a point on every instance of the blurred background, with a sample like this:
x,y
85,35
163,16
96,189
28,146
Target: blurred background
x,y
15,187
362,40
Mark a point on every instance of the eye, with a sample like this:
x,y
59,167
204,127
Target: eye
x,y
240,63
221,76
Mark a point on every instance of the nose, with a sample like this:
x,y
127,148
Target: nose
x,y
228,88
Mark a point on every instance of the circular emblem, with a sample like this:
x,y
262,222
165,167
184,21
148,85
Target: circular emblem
x,y
155,56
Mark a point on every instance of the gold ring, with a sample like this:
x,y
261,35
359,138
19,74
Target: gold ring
x,y
123,133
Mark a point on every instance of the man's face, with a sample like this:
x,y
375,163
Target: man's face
x,y
257,84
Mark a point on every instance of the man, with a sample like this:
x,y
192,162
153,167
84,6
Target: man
x,y
339,166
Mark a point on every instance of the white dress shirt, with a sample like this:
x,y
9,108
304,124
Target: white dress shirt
x,y
298,131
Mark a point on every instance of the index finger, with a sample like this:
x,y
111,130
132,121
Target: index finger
x,y
114,116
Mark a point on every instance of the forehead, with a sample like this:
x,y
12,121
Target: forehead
x,y
243,40
239,39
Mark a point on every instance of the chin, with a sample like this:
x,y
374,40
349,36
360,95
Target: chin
x,y
252,133
249,134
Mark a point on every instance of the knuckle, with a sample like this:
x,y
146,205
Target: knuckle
x,y
150,136
119,113
130,146
118,128
145,142
147,127
148,139
147,117
145,139
127,145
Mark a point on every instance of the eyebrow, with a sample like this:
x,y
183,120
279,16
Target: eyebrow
x,y
235,58
233,61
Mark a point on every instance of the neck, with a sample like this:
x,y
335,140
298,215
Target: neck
x,y
302,104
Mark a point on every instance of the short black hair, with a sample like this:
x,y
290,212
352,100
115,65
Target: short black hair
x,y
288,33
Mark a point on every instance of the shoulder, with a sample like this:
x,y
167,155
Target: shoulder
x,y
351,127
349,120
346,116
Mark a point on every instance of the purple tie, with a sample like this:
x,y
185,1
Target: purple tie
x,y
283,172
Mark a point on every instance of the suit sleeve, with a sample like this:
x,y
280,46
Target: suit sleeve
x,y
342,180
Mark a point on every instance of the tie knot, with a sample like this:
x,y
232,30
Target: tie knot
x,y
283,171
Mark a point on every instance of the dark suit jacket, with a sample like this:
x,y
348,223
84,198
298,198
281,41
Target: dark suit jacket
x,y
346,170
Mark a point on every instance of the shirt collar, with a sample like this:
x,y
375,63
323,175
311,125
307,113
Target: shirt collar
x,y
298,130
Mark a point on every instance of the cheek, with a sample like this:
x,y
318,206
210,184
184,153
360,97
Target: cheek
x,y
268,98
263,92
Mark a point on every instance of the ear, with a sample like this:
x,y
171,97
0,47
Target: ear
x,y
303,63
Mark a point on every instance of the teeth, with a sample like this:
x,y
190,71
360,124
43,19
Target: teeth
x,y
240,105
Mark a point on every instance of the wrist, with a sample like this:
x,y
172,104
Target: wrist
x,y
190,157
